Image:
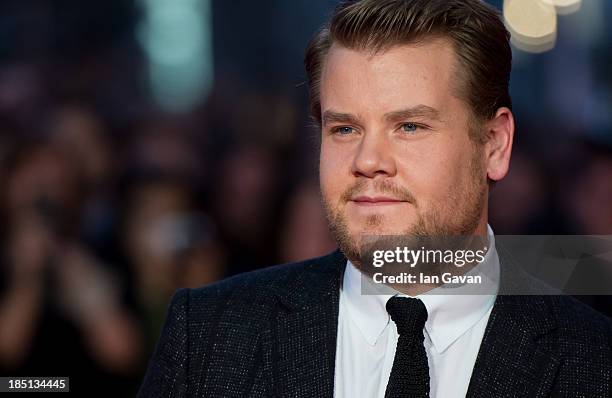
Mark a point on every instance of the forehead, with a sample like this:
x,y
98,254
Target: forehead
x,y
402,76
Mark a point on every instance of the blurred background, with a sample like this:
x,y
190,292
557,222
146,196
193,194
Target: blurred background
x,y
147,145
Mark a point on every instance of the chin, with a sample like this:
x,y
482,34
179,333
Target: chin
x,y
378,230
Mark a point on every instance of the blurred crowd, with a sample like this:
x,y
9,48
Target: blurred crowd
x,y
110,204
100,229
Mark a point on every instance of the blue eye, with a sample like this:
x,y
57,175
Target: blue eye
x,y
409,127
343,130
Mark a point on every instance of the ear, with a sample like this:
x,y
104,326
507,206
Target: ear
x,y
500,132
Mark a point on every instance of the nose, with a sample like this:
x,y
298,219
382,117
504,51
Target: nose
x,y
374,157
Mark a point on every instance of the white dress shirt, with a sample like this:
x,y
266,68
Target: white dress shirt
x,y
367,337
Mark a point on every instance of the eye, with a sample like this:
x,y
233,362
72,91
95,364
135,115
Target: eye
x,y
343,130
409,127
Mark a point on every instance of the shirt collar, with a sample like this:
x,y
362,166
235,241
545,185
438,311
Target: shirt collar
x,y
450,315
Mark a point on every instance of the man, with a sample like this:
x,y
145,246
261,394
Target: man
x,y
416,124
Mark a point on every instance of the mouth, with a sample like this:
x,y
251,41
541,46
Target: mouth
x,y
376,201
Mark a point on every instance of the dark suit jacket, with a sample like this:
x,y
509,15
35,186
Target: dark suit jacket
x,y
272,333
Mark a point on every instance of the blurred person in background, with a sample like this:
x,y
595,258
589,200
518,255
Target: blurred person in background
x,y
305,233
169,245
589,201
245,202
81,137
523,202
167,237
61,307
589,205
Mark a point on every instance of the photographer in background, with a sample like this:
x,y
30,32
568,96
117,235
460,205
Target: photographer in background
x,y
57,295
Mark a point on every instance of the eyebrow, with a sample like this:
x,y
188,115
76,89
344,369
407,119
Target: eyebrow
x,y
412,112
339,117
420,110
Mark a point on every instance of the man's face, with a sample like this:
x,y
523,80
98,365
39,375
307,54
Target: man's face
x,y
396,154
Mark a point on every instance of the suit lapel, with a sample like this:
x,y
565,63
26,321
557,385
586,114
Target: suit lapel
x,y
305,328
518,356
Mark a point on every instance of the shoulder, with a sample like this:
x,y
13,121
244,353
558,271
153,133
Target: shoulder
x,y
262,287
268,279
584,338
223,321
571,312
580,325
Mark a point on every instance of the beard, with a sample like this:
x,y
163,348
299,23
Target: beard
x,y
459,215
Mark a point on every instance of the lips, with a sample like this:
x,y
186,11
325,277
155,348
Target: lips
x,y
376,200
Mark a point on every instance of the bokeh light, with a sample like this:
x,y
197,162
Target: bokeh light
x,y
176,37
532,24
564,7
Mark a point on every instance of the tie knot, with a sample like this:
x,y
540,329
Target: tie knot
x,y
409,315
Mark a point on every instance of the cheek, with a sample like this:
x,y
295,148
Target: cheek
x,y
333,172
432,173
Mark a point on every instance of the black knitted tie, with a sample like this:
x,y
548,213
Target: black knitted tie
x,y
410,373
